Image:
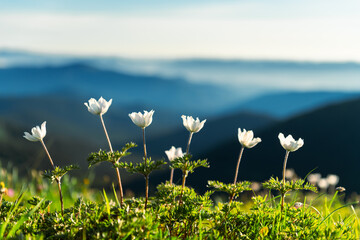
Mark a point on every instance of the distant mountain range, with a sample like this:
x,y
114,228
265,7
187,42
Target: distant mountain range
x,y
248,77
288,104
176,96
84,82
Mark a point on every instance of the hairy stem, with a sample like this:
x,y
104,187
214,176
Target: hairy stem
x,y
106,134
182,186
238,164
189,141
184,179
120,187
48,154
185,171
57,179
282,201
236,172
146,176
146,189
145,153
61,197
284,167
171,176
283,180
117,170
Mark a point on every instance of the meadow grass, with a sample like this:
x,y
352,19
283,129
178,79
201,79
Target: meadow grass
x,y
34,213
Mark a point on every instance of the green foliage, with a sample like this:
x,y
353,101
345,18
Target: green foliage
x,y
174,212
231,189
186,165
112,157
144,168
36,200
276,184
196,218
59,172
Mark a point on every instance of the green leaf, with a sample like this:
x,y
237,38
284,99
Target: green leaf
x,y
59,172
112,157
230,188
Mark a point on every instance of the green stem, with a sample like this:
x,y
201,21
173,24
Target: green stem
x,y
117,170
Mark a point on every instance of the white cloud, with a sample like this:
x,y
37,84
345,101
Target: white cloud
x,y
234,30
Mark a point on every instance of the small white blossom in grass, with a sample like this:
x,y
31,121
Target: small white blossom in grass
x,y
99,107
298,205
332,179
246,138
142,120
192,125
255,186
174,153
323,184
289,143
37,133
314,178
290,173
340,189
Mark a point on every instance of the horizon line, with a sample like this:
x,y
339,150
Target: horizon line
x,y
175,58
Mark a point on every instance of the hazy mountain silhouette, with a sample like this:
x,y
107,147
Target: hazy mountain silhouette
x,y
286,104
85,81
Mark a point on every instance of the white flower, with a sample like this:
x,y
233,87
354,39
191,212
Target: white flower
x,y
98,107
314,178
192,125
332,179
174,153
289,143
298,205
142,120
290,173
37,133
255,186
323,183
246,138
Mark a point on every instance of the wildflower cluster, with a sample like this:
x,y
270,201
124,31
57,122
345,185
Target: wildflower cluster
x,y
175,211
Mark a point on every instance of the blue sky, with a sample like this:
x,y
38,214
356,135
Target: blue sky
x,y
317,30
